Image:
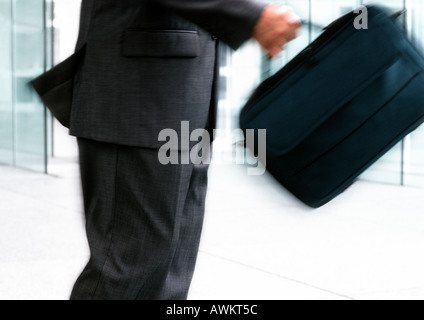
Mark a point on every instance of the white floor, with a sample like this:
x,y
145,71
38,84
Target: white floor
x,y
259,242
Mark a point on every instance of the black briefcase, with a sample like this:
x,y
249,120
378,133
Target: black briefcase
x,y
339,106
55,87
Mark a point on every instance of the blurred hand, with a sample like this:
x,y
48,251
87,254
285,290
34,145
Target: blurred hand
x,y
277,26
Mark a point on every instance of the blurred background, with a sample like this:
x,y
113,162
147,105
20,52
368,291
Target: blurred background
x,y
259,242
36,34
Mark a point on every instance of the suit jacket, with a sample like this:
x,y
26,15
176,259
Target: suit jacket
x,y
150,64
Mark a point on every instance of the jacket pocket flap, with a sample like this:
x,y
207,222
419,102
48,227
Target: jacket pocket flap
x,y
160,43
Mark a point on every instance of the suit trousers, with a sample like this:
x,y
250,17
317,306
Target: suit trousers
x,y
143,221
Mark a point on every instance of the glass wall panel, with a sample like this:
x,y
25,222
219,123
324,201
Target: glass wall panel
x,y
392,4
6,88
29,61
323,12
23,56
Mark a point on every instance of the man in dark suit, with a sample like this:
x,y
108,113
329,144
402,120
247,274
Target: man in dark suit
x,y
148,66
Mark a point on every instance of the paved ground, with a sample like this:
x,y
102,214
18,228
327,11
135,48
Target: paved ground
x,y
259,242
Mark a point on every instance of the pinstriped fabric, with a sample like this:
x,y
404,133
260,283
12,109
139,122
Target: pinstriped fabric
x,y
144,222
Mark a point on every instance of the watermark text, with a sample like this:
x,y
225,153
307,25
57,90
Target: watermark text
x,y
194,146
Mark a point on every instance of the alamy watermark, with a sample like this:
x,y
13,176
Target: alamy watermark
x,y
195,147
